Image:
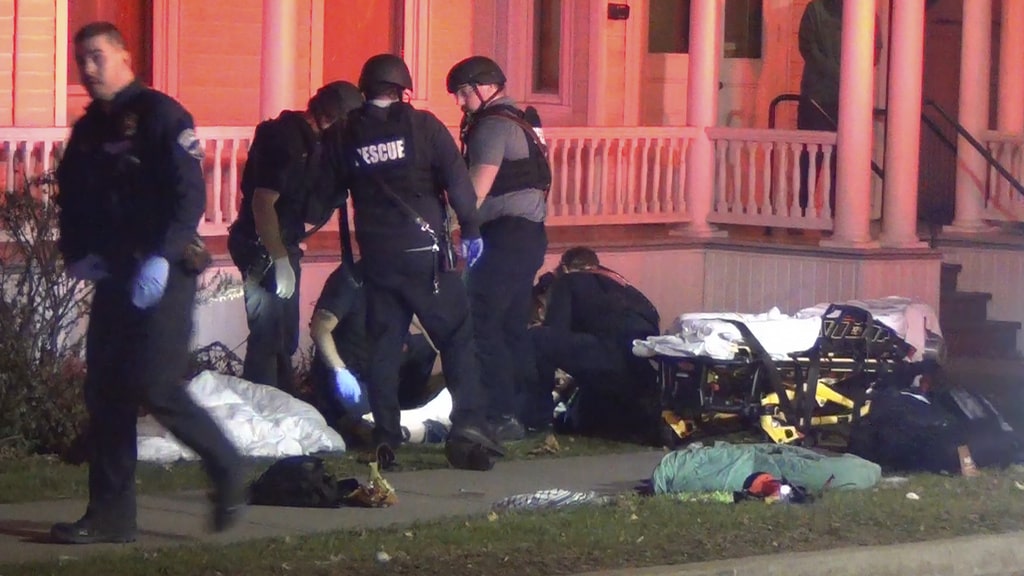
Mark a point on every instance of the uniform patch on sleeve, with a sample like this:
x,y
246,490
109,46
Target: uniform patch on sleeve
x,y
190,143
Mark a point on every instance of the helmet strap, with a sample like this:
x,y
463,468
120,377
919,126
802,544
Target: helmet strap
x,y
485,101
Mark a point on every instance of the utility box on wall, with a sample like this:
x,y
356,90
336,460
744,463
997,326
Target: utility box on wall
x,y
618,11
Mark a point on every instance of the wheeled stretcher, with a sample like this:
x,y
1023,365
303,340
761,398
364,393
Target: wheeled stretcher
x,y
793,376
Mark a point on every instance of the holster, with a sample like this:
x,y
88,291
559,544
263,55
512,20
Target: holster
x,y
250,256
448,259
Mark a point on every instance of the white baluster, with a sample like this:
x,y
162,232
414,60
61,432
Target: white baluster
x,y
620,173
750,205
720,201
734,198
793,194
563,186
605,159
232,191
766,178
679,150
643,204
659,199
213,199
826,177
593,178
577,174
812,180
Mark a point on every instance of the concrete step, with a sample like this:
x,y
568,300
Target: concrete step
x,y
948,277
957,308
986,339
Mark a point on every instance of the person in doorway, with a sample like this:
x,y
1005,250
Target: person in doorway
x,y
820,43
131,196
280,176
510,173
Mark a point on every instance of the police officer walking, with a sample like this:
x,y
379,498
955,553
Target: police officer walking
x,y
281,176
511,175
400,164
131,195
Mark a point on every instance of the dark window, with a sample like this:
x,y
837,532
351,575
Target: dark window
x,y
743,29
668,28
547,43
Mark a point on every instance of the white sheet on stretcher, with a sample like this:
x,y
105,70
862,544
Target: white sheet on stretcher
x,y
705,334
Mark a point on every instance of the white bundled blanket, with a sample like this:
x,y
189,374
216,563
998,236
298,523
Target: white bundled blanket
x,y
266,422
705,334
260,420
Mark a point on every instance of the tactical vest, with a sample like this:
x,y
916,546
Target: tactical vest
x,y
387,152
532,172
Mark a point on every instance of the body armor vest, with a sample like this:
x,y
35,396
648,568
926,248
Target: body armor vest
x,y
532,172
387,152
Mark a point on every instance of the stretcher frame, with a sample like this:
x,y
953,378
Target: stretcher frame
x,y
791,399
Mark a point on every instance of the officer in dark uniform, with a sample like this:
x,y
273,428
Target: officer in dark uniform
x,y
400,164
342,356
510,173
592,317
280,177
131,195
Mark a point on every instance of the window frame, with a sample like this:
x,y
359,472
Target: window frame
x,y
516,24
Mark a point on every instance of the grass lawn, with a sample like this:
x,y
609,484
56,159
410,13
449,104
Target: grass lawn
x,y
633,531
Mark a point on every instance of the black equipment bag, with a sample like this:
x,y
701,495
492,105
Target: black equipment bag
x,y
298,481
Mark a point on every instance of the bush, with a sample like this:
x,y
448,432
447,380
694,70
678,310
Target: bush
x,y
42,342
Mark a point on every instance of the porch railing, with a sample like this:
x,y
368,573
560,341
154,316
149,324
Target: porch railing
x,y
28,152
605,175
601,175
758,177
1002,201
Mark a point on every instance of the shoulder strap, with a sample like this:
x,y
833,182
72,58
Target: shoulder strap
x,y
397,200
509,113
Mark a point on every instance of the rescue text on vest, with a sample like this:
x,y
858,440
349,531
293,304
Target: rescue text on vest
x,y
383,152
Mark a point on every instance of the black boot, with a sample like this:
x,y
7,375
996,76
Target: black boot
x,y
466,455
475,435
85,531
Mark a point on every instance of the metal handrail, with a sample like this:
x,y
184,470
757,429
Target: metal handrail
x,y
938,132
791,97
977,146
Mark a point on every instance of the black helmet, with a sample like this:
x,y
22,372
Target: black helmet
x,y
335,100
385,68
474,70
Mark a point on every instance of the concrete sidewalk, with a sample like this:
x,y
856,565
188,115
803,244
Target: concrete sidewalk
x,y
427,495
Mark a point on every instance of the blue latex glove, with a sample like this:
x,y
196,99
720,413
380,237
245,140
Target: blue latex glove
x,y
347,387
91,268
472,249
150,282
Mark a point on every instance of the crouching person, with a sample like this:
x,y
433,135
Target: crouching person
x,y
591,318
340,363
